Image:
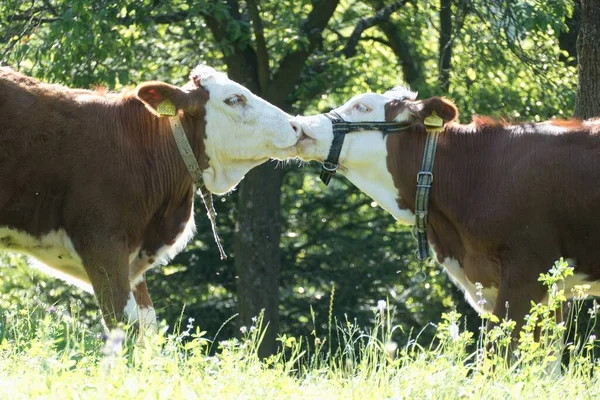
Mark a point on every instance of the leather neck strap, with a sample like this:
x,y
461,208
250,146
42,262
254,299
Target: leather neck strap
x,y
167,108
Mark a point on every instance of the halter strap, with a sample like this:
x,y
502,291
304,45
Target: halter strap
x,y
424,181
341,128
434,125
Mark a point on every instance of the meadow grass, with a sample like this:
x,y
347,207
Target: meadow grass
x,y
49,353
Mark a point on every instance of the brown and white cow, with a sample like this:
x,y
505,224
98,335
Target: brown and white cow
x,y
507,200
93,186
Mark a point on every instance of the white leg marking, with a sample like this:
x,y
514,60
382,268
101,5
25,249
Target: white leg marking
x,y
148,320
131,309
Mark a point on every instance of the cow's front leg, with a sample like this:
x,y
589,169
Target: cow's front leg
x,y
108,270
146,313
514,302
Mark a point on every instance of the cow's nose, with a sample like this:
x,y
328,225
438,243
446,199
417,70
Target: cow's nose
x,y
296,127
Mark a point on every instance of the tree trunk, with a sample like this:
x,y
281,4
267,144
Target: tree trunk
x,y
257,255
587,102
445,44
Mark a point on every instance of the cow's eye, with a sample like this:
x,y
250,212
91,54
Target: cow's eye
x,y
235,100
360,107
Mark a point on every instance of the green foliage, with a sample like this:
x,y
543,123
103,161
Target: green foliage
x,y
511,66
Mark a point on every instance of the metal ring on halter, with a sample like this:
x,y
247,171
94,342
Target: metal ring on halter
x,y
420,276
329,166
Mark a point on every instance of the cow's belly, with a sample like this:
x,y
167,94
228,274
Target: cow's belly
x,y
573,285
482,299
53,254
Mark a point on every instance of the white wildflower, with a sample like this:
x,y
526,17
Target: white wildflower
x,y
381,305
453,331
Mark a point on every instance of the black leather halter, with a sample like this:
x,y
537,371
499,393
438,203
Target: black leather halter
x,y
341,128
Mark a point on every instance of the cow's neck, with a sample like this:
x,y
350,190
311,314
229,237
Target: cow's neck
x,y
389,176
158,154
455,164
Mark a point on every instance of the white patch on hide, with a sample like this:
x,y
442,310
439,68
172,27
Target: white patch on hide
x,y
457,275
363,159
401,93
366,167
133,255
138,266
52,253
163,255
181,240
578,279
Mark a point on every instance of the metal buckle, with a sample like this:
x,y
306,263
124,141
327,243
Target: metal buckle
x,y
424,173
329,166
421,214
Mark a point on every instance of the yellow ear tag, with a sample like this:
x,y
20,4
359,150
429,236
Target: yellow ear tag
x,y
166,107
434,123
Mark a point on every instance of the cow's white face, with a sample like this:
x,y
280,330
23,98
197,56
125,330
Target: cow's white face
x,y
363,156
318,130
242,130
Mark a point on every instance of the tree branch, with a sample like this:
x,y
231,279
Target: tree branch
x,y
448,35
32,17
241,61
380,16
261,47
411,67
169,18
375,39
292,64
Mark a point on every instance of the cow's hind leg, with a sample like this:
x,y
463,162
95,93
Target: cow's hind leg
x,y
519,286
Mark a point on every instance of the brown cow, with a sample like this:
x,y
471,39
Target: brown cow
x,y
92,184
506,202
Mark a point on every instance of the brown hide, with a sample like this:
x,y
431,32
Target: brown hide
x,y
507,200
102,168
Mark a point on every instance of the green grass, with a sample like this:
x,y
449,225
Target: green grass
x,y
51,354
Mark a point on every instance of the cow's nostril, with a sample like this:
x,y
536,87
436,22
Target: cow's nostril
x,y
296,127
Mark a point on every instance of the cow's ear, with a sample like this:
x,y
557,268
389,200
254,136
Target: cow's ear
x,y
161,98
444,108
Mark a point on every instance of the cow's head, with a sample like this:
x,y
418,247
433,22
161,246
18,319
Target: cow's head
x,y
240,129
398,105
363,157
